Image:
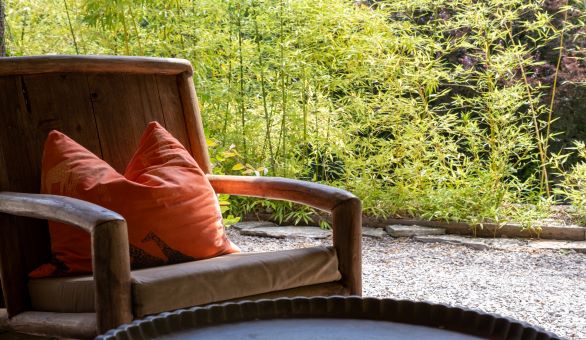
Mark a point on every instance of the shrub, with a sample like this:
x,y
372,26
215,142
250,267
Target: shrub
x,y
573,186
427,108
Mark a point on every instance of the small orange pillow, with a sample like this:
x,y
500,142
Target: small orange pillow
x,y
170,207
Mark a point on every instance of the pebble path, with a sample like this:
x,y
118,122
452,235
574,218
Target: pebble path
x,y
542,287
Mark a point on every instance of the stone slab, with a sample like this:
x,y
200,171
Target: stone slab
x,y
469,242
397,230
505,243
568,232
374,232
252,224
577,246
287,232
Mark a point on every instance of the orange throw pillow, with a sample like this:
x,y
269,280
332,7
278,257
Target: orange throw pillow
x,y
170,207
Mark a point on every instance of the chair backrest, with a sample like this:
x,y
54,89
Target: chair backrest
x,y
103,103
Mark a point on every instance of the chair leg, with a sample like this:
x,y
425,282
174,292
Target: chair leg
x,y
347,225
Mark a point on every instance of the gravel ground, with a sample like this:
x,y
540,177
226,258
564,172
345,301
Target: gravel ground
x,y
542,287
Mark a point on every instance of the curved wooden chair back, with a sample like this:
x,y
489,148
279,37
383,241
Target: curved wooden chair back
x,y
103,103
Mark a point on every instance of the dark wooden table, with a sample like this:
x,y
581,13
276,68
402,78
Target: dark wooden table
x,y
328,318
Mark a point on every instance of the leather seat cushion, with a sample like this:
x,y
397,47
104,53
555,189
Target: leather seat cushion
x,y
187,284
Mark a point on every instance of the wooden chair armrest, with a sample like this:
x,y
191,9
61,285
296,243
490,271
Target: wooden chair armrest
x,y
109,240
346,212
81,214
315,195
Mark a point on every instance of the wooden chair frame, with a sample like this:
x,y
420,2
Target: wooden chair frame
x,y
109,239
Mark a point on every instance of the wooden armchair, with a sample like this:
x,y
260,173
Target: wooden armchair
x,y
104,103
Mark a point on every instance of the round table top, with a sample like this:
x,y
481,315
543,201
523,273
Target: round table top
x,y
334,317
325,329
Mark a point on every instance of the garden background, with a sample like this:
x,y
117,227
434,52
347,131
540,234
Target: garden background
x,y
455,110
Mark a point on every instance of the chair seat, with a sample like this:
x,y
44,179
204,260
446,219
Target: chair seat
x,y
195,283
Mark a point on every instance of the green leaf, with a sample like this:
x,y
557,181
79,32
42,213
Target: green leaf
x,y
238,166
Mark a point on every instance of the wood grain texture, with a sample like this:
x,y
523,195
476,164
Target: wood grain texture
x,y
10,266
24,243
57,208
315,195
123,105
61,102
13,268
111,264
347,228
21,156
92,64
197,140
172,108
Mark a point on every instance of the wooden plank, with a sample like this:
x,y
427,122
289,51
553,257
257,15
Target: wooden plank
x,y
18,144
12,273
123,106
3,160
4,82
12,266
172,108
62,102
54,101
30,107
197,139
20,172
8,104
92,64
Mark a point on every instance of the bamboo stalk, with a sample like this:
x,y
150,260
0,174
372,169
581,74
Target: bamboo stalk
x,y
22,31
71,27
283,133
229,99
125,28
555,81
267,114
241,84
133,19
305,100
2,30
544,183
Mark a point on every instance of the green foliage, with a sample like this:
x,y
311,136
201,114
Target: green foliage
x,y
574,185
426,108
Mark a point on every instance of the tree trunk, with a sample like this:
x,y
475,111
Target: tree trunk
x,y
2,32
